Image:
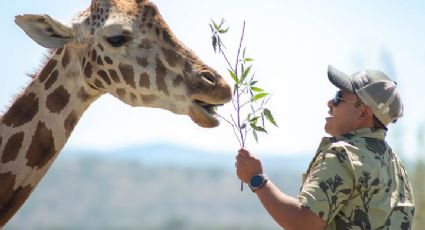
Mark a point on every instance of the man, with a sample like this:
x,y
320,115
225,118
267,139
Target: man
x,y
355,180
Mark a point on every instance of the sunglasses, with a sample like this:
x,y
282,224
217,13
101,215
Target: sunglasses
x,y
338,98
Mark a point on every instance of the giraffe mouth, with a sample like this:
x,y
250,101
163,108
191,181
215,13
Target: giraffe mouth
x,y
204,114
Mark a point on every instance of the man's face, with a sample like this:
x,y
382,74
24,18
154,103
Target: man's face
x,y
343,118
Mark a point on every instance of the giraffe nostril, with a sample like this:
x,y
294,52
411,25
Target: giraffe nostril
x,y
208,77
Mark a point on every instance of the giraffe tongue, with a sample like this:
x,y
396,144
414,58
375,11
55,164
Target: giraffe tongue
x,y
203,114
210,108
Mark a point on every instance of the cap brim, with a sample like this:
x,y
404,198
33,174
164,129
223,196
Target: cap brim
x,y
340,79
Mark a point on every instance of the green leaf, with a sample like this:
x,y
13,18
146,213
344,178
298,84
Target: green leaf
x,y
235,89
233,75
270,117
259,96
223,31
243,52
254,119
256,89
257,128
221,23
255,135
243,126
253,82
245,73
216,27
248,59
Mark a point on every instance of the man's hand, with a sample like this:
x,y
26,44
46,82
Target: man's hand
x,y
247,165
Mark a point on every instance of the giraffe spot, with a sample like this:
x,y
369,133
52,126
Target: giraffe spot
x,y
171,57
145,44
99,60
83,63
133,97
167,37
51,64
52,79
83,95
187,68
104,76
121,93
114,75
12,147
148,99
1,140
177,81
13,201
108,60
22,111
93,55
42,147
128,74
70,123
88,70
100,46
99,84
7,181
160,76
145,80
157,31
57,100
66,59
142,61
59,51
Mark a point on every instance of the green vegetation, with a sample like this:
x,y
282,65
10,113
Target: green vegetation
x,y
97,193
418,181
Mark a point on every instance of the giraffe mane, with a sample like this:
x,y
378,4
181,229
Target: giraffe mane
x,y
44,59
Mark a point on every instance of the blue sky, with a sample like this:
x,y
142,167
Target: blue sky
x,y
292,43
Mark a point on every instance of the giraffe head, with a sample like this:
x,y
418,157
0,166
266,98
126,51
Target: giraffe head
x,y
125,48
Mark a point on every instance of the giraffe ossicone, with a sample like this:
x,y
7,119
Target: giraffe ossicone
x,y
120,47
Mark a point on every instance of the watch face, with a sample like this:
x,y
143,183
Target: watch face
x,y
256,181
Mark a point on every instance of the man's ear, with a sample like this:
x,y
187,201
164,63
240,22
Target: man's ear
x,y
44,30
366,113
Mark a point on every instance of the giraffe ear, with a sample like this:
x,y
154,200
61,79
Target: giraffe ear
x,y
45,30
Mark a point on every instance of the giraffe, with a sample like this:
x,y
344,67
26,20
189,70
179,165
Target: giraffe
x,y
120,47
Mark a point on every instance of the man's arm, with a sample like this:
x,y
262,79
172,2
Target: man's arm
x,y
284,209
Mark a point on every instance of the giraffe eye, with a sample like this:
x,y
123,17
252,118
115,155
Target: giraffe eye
x,y
117,41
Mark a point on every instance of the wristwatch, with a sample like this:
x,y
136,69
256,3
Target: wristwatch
x,y
257,181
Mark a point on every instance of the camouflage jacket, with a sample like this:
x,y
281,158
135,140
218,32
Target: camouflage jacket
x,y
356,181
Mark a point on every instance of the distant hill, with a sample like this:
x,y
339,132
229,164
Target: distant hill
x,y
154,187
161,154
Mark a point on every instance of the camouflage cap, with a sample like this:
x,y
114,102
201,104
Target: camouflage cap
x,y
374,88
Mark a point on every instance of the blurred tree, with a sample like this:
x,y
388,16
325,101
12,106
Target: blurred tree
x,y
387,65
418,184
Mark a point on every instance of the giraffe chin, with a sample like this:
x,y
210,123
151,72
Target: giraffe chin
x,y
202,117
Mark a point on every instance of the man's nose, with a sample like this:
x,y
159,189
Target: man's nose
x,y
330,103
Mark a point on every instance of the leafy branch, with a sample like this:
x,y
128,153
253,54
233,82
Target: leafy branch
x,y
249,100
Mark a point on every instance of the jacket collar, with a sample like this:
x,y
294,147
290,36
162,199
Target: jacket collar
x,y
375,133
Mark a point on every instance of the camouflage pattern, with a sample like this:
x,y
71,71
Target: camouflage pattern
x,y
356,181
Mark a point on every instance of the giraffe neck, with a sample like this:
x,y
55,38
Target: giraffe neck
x,y
36,127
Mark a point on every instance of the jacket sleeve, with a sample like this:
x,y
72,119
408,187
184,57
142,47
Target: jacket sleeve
x,y
328,185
